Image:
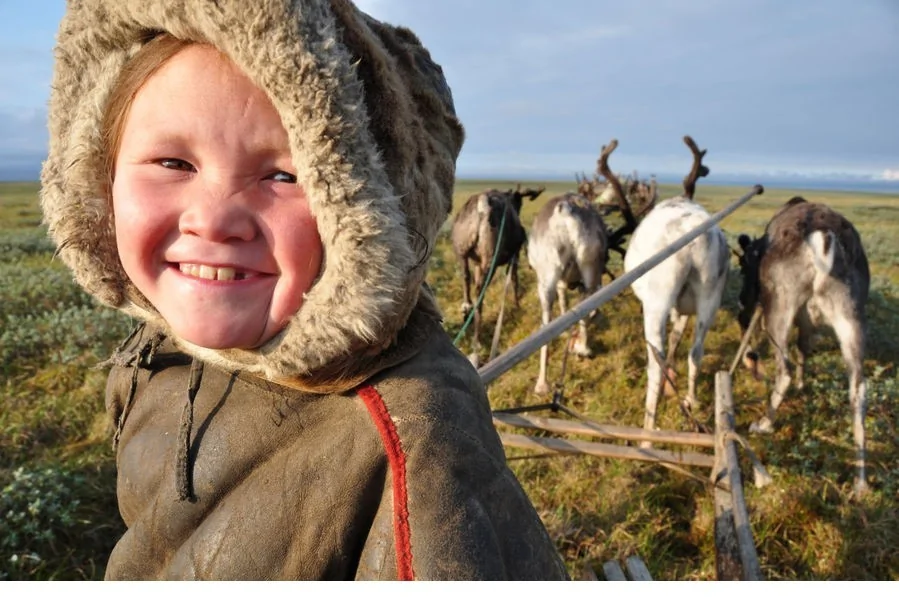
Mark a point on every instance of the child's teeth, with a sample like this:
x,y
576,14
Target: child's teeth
x,y
225,273
207,272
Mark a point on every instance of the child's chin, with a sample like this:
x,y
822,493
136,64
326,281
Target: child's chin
x,y
222,340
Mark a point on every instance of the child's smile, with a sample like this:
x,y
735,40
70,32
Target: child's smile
x,y
211,272
211,224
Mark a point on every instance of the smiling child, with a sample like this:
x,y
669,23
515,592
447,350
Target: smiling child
x,y
260,184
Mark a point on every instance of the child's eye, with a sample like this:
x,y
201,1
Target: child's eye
x,y
282,176
176,164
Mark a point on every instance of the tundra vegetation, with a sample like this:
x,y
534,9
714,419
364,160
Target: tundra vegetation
x,y
58,514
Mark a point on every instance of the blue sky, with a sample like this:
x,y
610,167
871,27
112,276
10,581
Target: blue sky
x,y
770,87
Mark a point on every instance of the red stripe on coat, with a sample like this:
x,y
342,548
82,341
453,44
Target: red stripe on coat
x,y
397,460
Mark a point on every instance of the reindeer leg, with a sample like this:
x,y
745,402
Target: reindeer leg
x,y
592,274
466,287
674,338
804,340
851,334
677,332
476,333
560,296
655,325
703,323
545,294
779,321
515,289
706,311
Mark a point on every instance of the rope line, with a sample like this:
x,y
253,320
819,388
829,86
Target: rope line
x,y
477,305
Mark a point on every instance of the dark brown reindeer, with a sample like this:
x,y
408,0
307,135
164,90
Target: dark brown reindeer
x,y
476,238
809,268
569,248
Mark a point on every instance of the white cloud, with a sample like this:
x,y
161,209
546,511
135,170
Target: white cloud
x,y
575,38
890,174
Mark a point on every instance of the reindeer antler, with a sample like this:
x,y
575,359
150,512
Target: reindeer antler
x,y
530,192
602,166
697,171
584,186
533,193
616,237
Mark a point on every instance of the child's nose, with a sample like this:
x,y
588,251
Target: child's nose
x,y
219,215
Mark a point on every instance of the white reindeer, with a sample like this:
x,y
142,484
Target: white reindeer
x,y
690,282
568,248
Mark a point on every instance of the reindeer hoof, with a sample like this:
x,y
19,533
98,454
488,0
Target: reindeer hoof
x,y
474,360
688,403
541,388
764,425
466,307
860,489
752,362
669,389
583,351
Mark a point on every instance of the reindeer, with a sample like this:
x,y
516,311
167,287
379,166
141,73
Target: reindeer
x,y
569,248
639,194
476,237
690,282
810,268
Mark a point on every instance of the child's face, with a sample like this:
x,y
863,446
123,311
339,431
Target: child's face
x,y
210,224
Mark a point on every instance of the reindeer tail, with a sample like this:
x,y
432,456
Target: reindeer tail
x,y
823,248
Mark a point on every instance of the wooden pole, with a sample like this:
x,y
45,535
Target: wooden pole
x,y
573,446
744,343
497,330
557,327
736,556
613,572
637,568
727,549
604,431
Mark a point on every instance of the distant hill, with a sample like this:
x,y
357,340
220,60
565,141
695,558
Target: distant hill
x,y
28,170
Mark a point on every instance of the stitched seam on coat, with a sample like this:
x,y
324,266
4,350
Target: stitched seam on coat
x,y
397,460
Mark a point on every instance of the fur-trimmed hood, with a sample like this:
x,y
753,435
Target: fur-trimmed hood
x,y
374,139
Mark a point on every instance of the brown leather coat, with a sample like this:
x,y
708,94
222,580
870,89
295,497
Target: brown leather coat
x,y
403,477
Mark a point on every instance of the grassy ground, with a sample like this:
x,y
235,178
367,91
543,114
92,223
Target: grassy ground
x,y
57,485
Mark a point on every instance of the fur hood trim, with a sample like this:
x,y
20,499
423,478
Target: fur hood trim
x,y
374,138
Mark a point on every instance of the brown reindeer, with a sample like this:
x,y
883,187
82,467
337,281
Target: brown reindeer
x,y
809,268
476,239
640,194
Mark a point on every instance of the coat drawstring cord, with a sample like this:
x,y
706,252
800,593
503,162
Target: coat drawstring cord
x,y
183,479
143,357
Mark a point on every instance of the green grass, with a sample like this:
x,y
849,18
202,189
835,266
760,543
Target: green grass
x,y
54,440
57,472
